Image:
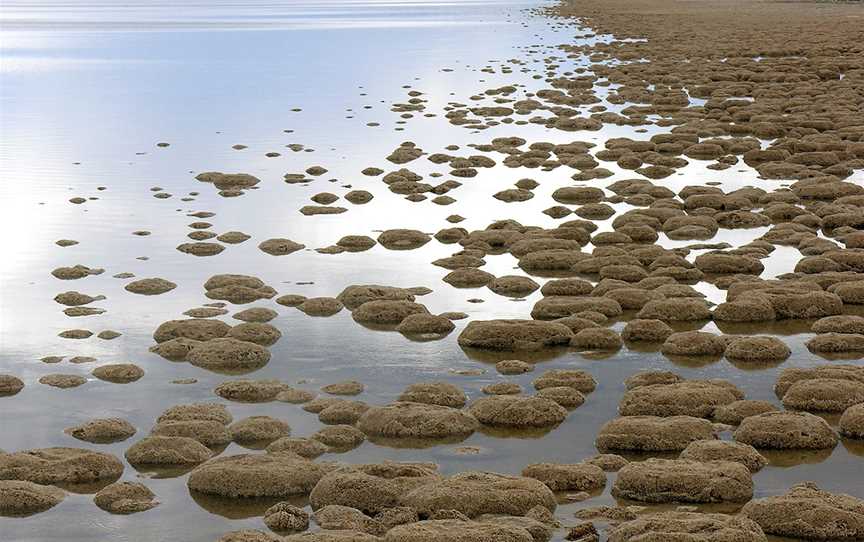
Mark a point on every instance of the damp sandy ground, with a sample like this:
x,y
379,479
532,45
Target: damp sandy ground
x,y
90,89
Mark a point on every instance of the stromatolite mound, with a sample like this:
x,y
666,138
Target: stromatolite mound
x,y
320,306
402,239
118,373
680,480
237,288
196,411
786,430
102,430
255,332
652,433
513,367
258,429
579,380
331,536
809,513
210,433
372,488
687,398
823,395
302,446
250,391
256,314
517,411
791,376
175,349
198,329
852,422
435,393
734,412
511,335
10,385
478,493
563,395
152,286
228,355
57,466
721,450
756,349
647,378
693,343
425,326
454,530
416,420
357,294
279,246
20,498
249,535
125,498
567,477
386,312
340,437
279,474
646,330
284,516
158,450
689,527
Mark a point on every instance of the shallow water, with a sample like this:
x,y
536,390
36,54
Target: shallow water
x,y
89,88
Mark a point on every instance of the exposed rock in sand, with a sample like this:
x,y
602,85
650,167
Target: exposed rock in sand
x,y
567,477
125,498
417,420
210,433
402,239
250,391
434,393
102,430
386,312
158,450
63,381
22,498
478,493
279,474
734,412
285,517
786,430
689,526
280,246
517,411
10,385
197,411
809,513
118,373
153,286
652,433
721,450
229,355
511,335
196,329
258,429
687,398
757,348
53,466
372,488
254,332
680,480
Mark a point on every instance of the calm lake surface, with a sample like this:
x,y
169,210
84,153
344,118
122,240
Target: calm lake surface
x,y
89,88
